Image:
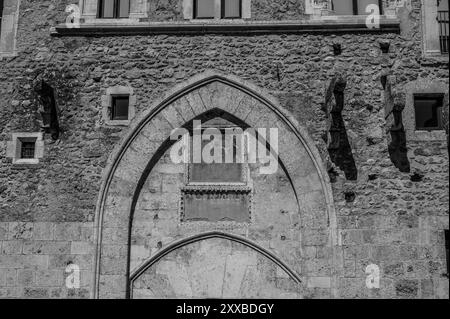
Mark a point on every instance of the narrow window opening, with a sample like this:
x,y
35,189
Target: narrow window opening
x,y
428,112
120,107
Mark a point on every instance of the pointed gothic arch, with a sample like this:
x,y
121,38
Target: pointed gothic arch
x,y
148,131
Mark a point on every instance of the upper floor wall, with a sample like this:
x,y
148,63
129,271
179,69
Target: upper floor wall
x,y
212,10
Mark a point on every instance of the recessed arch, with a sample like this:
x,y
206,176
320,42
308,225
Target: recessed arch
x,y
129,160
205,236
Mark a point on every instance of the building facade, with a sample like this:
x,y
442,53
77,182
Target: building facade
x,y
93,205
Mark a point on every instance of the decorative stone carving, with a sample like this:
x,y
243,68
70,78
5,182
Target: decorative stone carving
x,y
215,204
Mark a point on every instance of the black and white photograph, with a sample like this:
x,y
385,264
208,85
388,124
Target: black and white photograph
x,y
224,157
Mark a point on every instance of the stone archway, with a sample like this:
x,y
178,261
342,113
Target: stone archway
x,y
131,160
235,268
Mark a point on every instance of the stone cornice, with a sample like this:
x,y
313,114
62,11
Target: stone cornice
x,y
338,25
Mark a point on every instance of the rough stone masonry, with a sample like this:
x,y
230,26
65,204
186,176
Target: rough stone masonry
x,y
101,200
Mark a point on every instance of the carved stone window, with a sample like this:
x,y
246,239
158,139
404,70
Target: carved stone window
x,y
25,148
118,105
425,107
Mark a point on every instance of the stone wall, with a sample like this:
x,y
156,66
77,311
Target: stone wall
x,y
47,211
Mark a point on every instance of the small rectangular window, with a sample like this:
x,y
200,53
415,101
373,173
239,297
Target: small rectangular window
x,y
428,112
231,9
27,149
120,106
204,9
114,9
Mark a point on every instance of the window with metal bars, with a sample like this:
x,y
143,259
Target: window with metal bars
x,y
27,149
113,9
354,7
443,21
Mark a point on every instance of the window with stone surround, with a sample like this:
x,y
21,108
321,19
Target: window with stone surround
x,y
425,103
25,148
428,111
118,105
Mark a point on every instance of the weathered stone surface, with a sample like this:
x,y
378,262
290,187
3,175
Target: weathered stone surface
x,y
47,211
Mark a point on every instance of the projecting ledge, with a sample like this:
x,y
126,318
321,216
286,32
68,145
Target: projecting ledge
x,y
350,25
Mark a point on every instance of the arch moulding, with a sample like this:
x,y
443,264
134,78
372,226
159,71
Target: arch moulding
x,y
185,102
